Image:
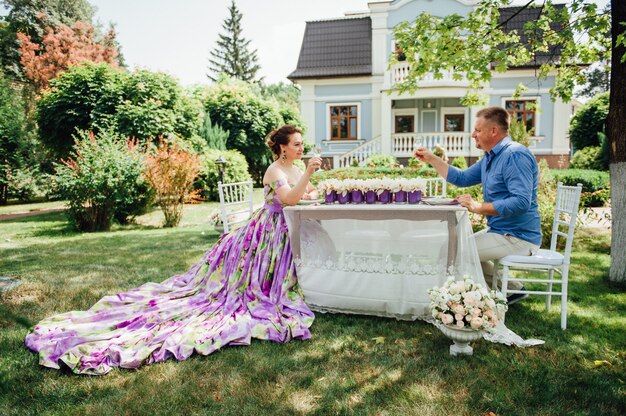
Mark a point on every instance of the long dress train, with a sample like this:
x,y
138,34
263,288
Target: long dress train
x,y
244,287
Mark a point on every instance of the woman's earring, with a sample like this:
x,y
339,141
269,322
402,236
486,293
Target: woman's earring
x,y
284,156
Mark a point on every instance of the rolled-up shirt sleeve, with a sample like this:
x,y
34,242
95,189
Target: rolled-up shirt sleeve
x,y
468,177
518,175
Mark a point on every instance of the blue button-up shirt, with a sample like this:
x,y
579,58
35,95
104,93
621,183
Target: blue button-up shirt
x,y
510,177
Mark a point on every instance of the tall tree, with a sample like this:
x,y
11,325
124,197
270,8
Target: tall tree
x,y
62,47
232,55
33,17
557,41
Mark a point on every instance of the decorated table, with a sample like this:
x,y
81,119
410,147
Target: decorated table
x,y
379,259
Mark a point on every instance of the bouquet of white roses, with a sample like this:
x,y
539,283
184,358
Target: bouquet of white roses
x,y
467,304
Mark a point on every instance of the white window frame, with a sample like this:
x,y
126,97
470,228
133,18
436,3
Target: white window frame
x,y
405,112
454,110
427,110
537,100
358,121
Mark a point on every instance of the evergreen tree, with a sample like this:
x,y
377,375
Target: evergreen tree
x,y
232,55
214,135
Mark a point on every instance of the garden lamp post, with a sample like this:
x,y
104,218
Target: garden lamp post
x,y
221,165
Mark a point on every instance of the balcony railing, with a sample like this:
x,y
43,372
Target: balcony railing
x,y
400,71
456,143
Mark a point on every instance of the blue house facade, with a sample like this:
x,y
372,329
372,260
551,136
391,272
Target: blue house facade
x,y
352,110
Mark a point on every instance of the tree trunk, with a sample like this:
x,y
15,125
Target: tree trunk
x,y
617,146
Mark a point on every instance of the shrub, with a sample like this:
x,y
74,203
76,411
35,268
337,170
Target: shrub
x,y
248,120
587,158
214,136
102,175
235,170
171,170
415,163
595,183
459,162
518,132
96,97
588,121
370,173
380,160
546,200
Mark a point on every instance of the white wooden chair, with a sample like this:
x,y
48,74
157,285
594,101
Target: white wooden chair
x,y
235,203
435,187
552,260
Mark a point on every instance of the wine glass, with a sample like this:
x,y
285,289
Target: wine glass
x,y
316,151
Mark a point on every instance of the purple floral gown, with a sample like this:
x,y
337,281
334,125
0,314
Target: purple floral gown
x,y
244,287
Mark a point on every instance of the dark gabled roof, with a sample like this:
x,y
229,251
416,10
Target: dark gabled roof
x,y
513,18
335,48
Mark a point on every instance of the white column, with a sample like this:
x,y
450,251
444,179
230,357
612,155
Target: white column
x,y
385,123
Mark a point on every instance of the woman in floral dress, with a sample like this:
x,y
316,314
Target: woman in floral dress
x,y
244,287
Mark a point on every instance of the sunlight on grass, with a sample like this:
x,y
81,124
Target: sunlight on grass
x,y
352,365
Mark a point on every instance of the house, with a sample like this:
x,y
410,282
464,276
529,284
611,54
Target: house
x,y
350,112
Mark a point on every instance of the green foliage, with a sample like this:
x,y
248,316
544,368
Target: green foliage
x,y
380,160
214,136
415,163
232,55
142,105
589,120
235,170
371,173
596,184
546,201
32,18
459,162
248,121
518,132
587,158
103,175
20,175
467,46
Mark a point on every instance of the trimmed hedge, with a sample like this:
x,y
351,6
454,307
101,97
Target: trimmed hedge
x,y
596,184
370,173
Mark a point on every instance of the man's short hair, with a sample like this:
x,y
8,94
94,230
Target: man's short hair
x,y
497,115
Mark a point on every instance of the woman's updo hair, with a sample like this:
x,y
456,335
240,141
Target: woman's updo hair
x,y
280,136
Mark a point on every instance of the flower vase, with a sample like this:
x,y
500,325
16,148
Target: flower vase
x,y
330,197
415,197
343,197
370,197
400,197
385,197
461,337
357,197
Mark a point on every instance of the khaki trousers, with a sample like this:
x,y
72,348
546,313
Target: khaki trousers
x,y
492,246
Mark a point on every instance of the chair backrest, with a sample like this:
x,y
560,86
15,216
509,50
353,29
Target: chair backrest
x,y
235,203
565,216
435,187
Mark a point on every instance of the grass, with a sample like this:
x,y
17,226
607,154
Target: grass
x,y
344,369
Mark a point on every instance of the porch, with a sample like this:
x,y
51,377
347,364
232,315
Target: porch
x,y
403,144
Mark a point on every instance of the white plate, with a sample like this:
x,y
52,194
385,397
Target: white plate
x,y
310,201
436,200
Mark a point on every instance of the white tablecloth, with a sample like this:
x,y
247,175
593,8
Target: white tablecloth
x,y
379,259
382,259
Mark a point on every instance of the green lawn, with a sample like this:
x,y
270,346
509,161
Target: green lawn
x,y
344,369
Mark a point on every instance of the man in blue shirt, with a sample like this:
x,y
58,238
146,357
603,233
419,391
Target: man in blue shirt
x,y
509,175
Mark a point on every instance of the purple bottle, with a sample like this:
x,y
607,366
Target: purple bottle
x,y
385,197
357,197
415,197
370,197
400,197
343,198
330,197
